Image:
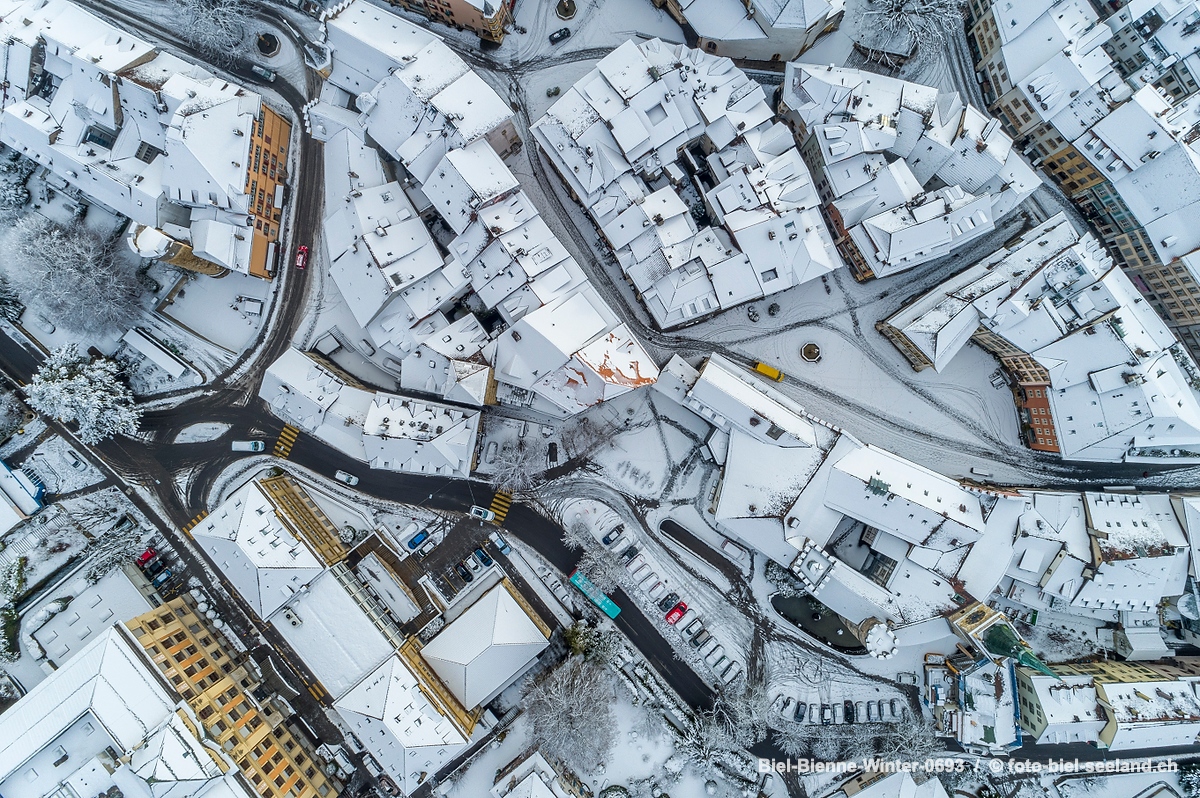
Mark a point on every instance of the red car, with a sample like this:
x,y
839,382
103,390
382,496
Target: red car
x,y
146,556
676,613
301,256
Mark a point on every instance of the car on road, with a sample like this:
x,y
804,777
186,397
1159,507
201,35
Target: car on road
x,y
500,543
146,556
668,601
482,513
162,578
462,571
418,539
348,478
301,256
247,446
676,613
481,555
560,35
263,73
614,534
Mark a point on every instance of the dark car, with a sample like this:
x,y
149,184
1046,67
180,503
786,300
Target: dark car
x,y
162,578
701,638
848,706
552,452
481,555
464,572
418,539
799,716
613,535
560,35
629,553
668,601
154,567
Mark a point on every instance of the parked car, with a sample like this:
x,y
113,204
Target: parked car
x,y
247,446
656,592
838,718
731,672
500,543
348,478
715,654
813,713
560,35
702,637
649,580
482,513
162,578
826,715
869,711
155,567
462,571
614,534
629,553
676,613
690,627
787,706
473,564
75,462
894,706
146,556
481,555
634,564
669,601
848,709
798,716
708,645
301,256
418,539
777,704
720,664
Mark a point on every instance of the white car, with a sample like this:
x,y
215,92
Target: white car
x,y
349,479
482,513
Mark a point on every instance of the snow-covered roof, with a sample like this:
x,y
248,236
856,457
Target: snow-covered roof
x,y
406,434
902,785
109,695
332,634
485,648
1150,714
112,599
629,121
401,729
257,550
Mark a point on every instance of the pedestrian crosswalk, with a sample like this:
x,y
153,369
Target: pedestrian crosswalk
x,y
501,503
187,529
287,439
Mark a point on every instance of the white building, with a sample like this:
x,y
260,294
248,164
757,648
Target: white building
x,y
907,174
1062,710
257,550
486,648
759,30
90,614
659,136
150,136
386,431
108,721
1064,319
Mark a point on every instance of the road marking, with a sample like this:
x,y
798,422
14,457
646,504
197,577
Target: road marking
x,y
317,691
501,503
287,439
187,529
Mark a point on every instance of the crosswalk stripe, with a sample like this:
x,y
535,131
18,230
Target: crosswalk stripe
x,y
187,529
287,439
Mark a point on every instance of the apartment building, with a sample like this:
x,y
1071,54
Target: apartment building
x,y
756,30
485,18
220,685
195,162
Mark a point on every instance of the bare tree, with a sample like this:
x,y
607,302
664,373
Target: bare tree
x,y
518,468
922,27
73,273
795,738
214,27
913,740
827,747
569,710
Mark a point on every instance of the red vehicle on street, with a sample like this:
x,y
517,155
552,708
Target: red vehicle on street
x,y
676,613
301,256
146,556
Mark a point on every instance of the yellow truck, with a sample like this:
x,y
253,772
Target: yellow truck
x,y
769,371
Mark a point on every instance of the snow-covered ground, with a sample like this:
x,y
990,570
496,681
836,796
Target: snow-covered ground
x,y
199,433
61,468
226,311
23,438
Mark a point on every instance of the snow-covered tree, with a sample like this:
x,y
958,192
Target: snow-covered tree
x,y
578,535
12,413
73,273
748,709
569,710
10,303
826,747
913,740
795,738
73,387
592,642
13,195
922,27
518,468
600,565
214,27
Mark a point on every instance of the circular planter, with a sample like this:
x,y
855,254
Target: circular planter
x,y
811,352
565,9
267,44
